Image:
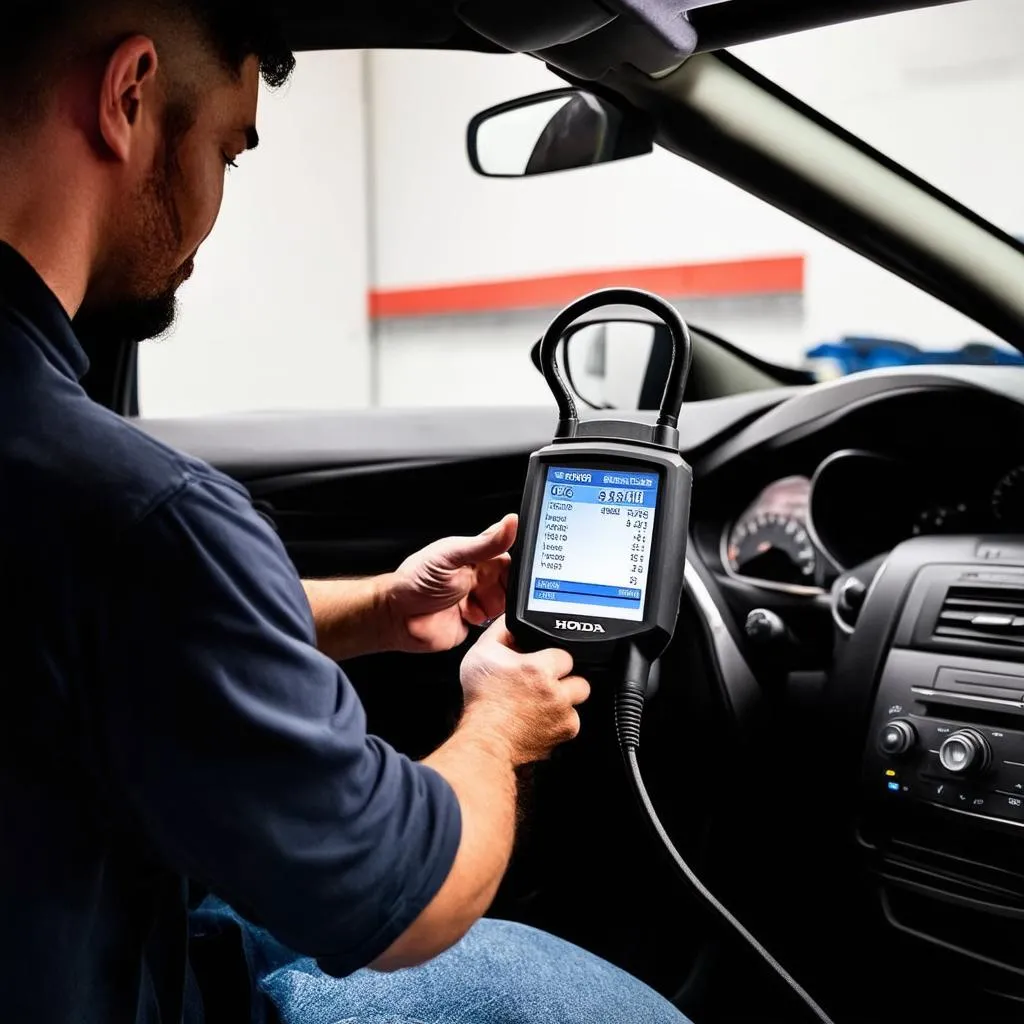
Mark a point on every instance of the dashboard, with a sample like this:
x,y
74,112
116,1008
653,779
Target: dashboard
x,y
801,531
793,508
863,548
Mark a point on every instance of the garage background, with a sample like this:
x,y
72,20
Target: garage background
x,y
359,261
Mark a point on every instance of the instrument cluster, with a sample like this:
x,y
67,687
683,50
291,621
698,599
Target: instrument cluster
x,y
800,532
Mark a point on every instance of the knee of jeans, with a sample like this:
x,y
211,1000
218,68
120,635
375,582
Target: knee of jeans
x,y
501,973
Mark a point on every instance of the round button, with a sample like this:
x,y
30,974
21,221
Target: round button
x,y
965,752
851,596
896,738
764,626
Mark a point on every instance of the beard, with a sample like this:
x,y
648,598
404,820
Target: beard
x,y
127,322
135,299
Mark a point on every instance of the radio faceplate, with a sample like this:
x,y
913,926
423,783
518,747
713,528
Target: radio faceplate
x,y
949,731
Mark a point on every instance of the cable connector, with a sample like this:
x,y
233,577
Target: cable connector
x,y
629,711
630,699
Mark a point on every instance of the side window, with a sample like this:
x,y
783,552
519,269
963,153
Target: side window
x,y
275,315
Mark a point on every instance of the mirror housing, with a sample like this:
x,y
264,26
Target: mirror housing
x,y
558,130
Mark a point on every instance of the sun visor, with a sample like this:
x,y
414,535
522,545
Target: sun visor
x,y
588,38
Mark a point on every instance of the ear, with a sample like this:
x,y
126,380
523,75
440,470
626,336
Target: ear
x,y
127,85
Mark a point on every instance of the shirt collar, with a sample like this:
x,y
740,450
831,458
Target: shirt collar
x,y
25,292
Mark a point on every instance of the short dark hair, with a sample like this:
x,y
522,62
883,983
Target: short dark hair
x,y
37,35
239,29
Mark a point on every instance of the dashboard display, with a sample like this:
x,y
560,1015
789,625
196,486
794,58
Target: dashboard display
x,y
774,548
770,540
593,545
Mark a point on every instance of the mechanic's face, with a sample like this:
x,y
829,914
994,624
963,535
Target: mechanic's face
x,y
159,224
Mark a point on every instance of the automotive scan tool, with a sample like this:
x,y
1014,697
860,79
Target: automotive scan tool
x,y
599,565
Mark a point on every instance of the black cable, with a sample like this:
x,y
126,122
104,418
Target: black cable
x,y
627,725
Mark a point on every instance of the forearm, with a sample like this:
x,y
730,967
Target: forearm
x,y
349,615
477,764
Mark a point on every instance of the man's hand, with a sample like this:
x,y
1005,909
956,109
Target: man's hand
x,y
427,604
434,596
529,700
518,708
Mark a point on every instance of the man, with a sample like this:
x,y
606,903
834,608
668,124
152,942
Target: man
x,y
167,715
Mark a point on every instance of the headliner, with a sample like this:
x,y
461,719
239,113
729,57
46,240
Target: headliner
x,y
430,24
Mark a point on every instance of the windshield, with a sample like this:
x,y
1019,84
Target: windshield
x,y
940,91
410,280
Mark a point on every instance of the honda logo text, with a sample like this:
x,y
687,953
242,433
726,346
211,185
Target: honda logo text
x,y
579,627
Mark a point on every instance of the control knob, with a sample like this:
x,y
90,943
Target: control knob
x,y
850,598
765,627
897,738
965,752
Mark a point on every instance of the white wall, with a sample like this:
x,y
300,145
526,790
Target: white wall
x,y
461,361
275,315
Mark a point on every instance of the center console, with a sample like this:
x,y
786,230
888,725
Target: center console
x,y
947,727
929,689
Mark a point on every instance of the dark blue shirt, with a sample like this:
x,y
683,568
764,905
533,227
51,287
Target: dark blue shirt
x,y
165,715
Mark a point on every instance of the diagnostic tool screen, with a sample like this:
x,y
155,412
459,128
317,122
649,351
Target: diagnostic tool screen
x,y
593,548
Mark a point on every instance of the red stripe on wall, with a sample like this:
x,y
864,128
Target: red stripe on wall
x,y
772,276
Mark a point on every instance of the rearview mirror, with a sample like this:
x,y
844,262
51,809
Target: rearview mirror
x,y
554,131
618,364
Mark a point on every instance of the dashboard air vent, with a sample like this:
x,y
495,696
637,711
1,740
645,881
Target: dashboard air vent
x,y
991,615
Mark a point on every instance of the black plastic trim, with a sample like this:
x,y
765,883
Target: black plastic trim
x,y
934,940
744,21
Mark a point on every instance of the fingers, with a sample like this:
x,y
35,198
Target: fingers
x,y
427,636
497,632
550,660
576,689
459,551
535,695
569,731
557,662
488,595
474,612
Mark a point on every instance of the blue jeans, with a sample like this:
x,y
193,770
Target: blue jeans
x,y
500,973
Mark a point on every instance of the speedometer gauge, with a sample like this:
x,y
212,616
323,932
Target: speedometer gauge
x,y
772,546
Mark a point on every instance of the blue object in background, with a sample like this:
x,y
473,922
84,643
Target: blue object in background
x,y
856,353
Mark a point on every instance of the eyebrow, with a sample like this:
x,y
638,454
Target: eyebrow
x,y
252,137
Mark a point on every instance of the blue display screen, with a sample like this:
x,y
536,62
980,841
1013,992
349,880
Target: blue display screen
x,y
593,544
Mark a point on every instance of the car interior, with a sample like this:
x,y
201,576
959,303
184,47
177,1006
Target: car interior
x,y
836,744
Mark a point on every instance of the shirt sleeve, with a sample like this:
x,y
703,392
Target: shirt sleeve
x,y
242,752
